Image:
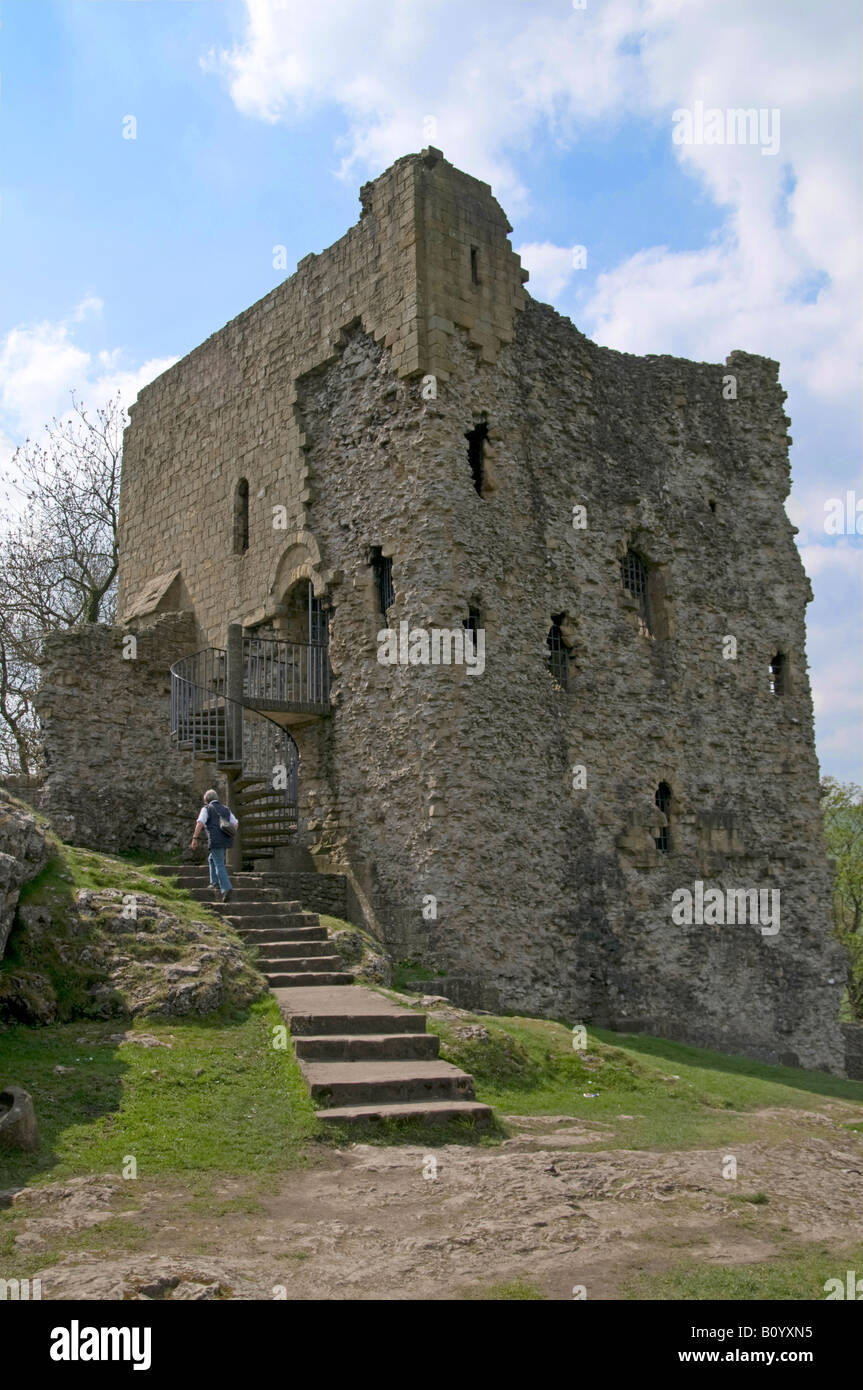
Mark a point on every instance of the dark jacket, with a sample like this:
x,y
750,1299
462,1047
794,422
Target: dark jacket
x,y
216,838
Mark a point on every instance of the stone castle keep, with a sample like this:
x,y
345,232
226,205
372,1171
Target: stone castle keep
x,y
398,434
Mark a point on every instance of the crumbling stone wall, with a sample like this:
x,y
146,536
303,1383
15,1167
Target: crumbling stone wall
x,y
448,800
113,780
431,781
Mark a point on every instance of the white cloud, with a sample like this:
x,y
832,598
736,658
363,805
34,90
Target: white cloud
x,y
41,365
494,75
551,267
486,75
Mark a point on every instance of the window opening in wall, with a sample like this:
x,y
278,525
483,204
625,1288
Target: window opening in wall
x,y
382,566
472,623
778,674
558,653
317,617
474,265
712,503
476,439
634,576
305,617
663,801
241,517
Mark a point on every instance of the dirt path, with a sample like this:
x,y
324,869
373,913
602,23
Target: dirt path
x,y
373,1223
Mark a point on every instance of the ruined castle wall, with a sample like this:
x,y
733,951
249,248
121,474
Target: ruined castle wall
x,y
226,411
434,781
113,781
430,781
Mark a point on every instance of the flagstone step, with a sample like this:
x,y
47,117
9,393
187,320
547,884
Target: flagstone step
x,y
367,1047
439,1112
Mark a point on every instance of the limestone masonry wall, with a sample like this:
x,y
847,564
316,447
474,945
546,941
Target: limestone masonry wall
x,y
343,398
113,780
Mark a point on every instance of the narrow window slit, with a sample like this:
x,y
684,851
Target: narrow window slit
x,y
382,567
476,440
663,801
778,674
558,652
241,517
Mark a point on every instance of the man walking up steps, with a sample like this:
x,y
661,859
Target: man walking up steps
x,y
220,826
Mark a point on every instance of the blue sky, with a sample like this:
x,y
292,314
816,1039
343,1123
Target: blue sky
x,y
257,121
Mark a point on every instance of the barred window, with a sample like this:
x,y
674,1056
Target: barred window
x,y
634,575
663,801
382,566
305,614
558,653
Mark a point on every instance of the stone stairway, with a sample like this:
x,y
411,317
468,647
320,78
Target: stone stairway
x,y
362,1056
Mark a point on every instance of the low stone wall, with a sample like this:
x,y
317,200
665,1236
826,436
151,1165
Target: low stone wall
x,y
29,789
113,780
327,893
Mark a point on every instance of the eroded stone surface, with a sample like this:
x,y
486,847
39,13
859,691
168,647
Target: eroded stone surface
x,y
23,852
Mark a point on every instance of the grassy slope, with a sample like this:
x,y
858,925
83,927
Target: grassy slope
x,y
222,1099
676,1096
50,959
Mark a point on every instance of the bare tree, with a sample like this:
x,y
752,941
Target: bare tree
x,y
61,544
19,734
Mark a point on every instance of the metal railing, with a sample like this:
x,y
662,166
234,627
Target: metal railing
x,y
296,673
205,721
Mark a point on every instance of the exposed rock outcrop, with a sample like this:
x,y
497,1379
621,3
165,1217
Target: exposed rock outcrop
x,y
122,954
18,1127
23,853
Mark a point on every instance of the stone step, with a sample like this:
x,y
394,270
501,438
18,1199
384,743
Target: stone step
x,y
262,936
198,875
351,1010
434,1112
309,979
264,897
271,921
368,1047
388,1083
245,908
270,965
271,949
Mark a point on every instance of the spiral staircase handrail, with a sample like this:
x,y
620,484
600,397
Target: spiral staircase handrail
x,y
206,718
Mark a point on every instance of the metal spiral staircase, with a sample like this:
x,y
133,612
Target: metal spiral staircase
x,y
218,704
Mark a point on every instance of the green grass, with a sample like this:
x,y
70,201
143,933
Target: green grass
x,y
800,1273
417,1133
518,1290
409,972
248,1111
677,1096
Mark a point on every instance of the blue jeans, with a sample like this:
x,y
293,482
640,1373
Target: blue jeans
x,y
218,872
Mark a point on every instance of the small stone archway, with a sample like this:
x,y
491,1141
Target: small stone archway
x,y
297,568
